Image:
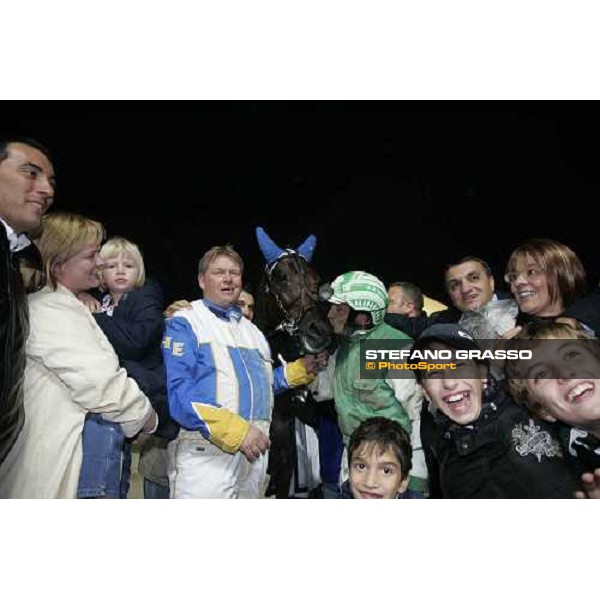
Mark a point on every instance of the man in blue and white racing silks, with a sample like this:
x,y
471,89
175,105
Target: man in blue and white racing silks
x,y
220,385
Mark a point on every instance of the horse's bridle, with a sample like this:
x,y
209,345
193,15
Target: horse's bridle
x,y
307,299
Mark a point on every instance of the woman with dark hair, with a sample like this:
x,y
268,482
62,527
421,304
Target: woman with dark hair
x,y
548,280
545,277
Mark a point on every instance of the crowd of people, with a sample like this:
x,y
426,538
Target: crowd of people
x,y
94,364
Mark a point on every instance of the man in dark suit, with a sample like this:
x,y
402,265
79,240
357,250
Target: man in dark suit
x,y
26,193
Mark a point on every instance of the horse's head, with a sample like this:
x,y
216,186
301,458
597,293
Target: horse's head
x,y
293,284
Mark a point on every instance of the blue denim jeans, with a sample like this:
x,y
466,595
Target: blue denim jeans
x,y
106,465
155,491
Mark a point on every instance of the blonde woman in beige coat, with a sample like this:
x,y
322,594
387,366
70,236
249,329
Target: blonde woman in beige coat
x,y
71,369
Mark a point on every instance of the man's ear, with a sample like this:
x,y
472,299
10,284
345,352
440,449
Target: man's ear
x,y
201,281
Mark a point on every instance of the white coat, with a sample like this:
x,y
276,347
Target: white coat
x,y
71,370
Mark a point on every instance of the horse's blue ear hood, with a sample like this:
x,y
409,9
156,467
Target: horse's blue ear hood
x,y
307,247
271,251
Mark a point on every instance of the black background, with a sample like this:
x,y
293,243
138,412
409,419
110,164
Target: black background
x,y
395,188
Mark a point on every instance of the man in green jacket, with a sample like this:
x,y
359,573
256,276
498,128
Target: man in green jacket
x,y
359,301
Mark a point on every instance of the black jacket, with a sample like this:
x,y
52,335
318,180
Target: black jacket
x,y
14,328
411,326
135,331
448,315
506,453
582,446
585,309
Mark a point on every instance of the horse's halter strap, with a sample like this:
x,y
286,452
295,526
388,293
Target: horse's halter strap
x,y
287,252
290,324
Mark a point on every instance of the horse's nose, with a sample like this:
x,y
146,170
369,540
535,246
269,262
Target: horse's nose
x,y
316,332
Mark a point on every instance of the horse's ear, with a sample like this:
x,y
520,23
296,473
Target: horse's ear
x,y
270,250
307,247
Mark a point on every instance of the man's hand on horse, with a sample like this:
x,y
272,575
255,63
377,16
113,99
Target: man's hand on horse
x,y
175,306
315,363
255,443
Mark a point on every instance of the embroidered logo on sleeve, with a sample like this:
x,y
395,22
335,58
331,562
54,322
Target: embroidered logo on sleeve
x,y
530,439
175,347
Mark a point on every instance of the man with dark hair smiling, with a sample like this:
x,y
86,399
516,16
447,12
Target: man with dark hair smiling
x,y
476,305
26,193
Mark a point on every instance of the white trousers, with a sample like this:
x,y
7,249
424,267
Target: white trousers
x,y
199,469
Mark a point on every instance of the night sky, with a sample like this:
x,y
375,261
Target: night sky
x,y
432,181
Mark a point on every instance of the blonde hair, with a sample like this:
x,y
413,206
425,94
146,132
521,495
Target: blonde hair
x,y
217,251
119,245
62,236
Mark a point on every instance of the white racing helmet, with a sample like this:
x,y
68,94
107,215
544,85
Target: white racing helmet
x,y
362,292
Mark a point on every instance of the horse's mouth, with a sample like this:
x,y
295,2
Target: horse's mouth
x,y
310,347
315,331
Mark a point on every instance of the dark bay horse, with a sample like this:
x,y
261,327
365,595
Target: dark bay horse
x,y
288,313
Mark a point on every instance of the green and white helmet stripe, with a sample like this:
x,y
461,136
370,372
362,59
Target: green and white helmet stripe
x,y
361,291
